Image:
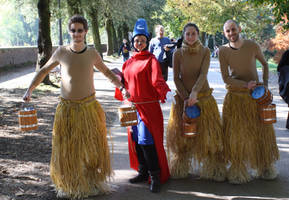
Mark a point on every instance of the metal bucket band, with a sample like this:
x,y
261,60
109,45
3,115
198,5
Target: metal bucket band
x,y
28,126
268,109
269,119
31,115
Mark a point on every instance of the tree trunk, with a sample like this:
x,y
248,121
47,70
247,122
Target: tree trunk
x,y
125,31
74,7
93,17
44,40
203,38
114,38
119,36
108,28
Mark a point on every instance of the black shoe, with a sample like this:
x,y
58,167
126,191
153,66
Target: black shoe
x,y
139,178
155,186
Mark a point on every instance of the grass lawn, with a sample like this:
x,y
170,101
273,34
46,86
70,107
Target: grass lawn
x,y
272,65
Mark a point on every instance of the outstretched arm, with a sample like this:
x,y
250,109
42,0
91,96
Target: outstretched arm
x,y
41,74
106,71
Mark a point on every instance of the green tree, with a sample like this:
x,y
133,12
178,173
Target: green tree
x,y
17,29
280,9
74,7
210,18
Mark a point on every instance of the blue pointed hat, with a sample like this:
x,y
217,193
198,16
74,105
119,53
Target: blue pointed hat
x,y
140,28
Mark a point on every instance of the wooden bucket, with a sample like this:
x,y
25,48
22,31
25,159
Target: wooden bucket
x,y
189,126
190,123
28,119
127,115
262,95
267,113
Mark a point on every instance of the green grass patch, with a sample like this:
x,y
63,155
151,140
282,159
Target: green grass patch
x,y
271,64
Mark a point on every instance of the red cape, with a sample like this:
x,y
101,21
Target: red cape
x,y
144,82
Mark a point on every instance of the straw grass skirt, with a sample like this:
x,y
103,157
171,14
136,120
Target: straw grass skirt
x,y
80,160
205,148
248,142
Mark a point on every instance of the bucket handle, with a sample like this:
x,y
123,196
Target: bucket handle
x,y
27,105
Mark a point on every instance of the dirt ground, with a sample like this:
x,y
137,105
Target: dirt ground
x,y
25,156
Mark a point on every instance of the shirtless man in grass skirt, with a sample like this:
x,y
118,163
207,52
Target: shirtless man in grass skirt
x,y
80,160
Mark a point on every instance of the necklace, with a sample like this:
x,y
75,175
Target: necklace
x,y
78,52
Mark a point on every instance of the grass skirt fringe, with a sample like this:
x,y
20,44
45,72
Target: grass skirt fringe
x,y
80,160
248,142
205,148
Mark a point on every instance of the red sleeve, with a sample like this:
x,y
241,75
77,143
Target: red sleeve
x,y
158,81
117,93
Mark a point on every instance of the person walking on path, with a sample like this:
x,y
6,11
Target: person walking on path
x,y
124,50
190,65
283,73
248,141
80,160
158,47
146,86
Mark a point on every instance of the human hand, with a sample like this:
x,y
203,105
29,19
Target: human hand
x,y
192,98
191,101
251,84
126,93
166,48
27,96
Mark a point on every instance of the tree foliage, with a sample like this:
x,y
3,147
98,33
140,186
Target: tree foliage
x,y
280,9
18,29
280,43
209,15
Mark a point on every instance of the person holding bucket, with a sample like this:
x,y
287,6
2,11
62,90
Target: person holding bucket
x,y
248,141
146,87
194,99
80,160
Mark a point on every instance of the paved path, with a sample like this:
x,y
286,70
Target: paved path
x,y
192,187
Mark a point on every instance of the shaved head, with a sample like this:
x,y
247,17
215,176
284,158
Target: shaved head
x,y
229,22
232,30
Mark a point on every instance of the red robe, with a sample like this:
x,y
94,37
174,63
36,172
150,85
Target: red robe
x,y
144,82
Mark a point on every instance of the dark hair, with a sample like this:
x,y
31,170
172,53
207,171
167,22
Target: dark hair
x,y
284,60
147,43
78,19
180,40
191,25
